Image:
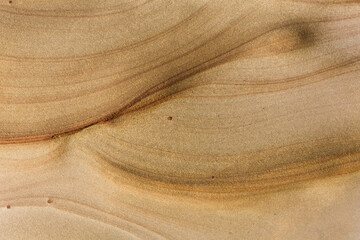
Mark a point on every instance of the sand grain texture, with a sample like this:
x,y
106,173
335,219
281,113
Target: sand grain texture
x,y
180,119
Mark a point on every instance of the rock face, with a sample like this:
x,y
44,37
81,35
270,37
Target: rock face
x,y
180,119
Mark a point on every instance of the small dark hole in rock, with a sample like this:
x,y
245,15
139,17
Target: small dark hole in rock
x,y
169,118
8,206
49,201
10,2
